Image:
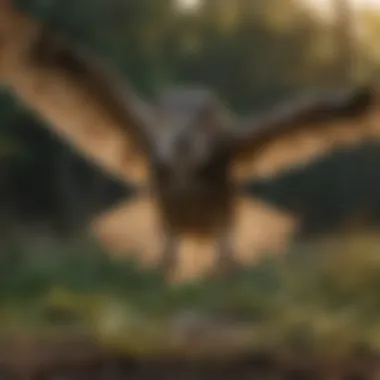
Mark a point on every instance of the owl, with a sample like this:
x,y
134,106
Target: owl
x,y
185,149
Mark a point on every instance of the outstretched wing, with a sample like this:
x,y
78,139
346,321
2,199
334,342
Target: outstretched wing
x,y
75,96
294,133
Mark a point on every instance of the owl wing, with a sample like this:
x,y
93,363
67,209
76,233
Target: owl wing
x,y
76,96
295,133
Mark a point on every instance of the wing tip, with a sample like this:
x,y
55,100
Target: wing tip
x,y
363,97
342,104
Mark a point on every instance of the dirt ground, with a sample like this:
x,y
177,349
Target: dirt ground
x,y
79,360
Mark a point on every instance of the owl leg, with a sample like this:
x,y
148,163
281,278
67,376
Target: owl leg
x,y
226,260
168,258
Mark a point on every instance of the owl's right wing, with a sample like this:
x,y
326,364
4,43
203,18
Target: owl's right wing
x,y
297,132
75,95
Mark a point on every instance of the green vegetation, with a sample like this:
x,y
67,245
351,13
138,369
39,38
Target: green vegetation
x,y
320,299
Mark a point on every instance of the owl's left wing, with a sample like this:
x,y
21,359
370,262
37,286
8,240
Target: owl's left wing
x,y
76,94
297,132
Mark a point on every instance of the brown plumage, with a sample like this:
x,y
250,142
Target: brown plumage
x,y
133,229
84,104
186,150
298,131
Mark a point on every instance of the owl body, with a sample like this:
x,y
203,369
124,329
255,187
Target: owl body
x,y
189,169
200,203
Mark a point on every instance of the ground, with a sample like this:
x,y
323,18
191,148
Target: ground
x,y
310,311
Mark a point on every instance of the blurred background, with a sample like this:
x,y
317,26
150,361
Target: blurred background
x,y
254,53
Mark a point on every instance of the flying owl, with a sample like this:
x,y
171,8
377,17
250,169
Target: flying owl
x,y
185,149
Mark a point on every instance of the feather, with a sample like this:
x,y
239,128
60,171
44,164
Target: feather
x,y
297,132
76,97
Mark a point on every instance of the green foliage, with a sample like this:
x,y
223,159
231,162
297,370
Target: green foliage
x,y
318,299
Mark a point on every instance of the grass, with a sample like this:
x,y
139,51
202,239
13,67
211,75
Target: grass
x,y
320,298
